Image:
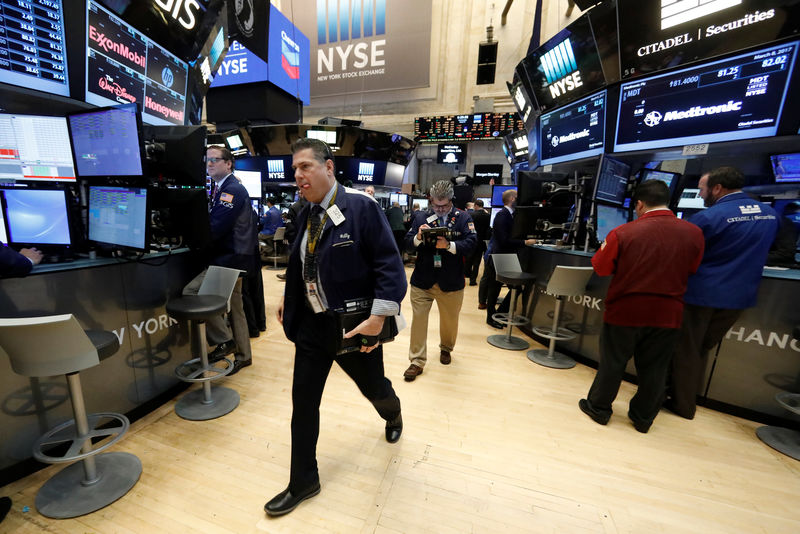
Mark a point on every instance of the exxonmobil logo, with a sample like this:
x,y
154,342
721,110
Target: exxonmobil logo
x,y
114,47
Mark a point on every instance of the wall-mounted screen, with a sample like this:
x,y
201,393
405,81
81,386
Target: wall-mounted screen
x,y
786,167
106,142
33,147
118,216
517,146
251,180
608,218
658,35
33,47
3,235
487,201
690,199
497,193
669,178
736,98
574,131
124,66
466,127
451,153
612,181
37,217
485,173
423,203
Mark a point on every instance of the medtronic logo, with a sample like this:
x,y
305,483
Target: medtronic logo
x,y
554,141
167,77
572,136
353,24
561,69
653,119
290,56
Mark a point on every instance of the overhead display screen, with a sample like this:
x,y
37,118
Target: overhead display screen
x,y
574,131
124,66
466,127
736,98
33,50
451,153
656,35
566,67
36,148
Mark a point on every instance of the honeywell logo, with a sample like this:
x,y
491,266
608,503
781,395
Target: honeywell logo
x,y
118,48
695,111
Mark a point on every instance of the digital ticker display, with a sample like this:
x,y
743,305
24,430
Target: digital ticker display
x,y
736,98
124,66
466,127
574,131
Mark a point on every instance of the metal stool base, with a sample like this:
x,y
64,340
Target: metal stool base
x,y
783,440
557,361
63,496
503,341
191,406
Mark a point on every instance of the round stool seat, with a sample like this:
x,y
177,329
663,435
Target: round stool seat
x,y
106,343
196,307
514,279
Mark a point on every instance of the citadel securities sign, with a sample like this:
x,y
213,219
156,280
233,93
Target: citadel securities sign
x,y
366,45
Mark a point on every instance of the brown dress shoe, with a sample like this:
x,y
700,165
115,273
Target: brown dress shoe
x,y
444,357
481,306
412,372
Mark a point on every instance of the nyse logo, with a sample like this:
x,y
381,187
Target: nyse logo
x,y
184,11
358,21
561,69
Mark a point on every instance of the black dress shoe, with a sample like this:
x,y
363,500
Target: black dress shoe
x,y
583,404
494,324
281,276
639,425
5,507
254,333
239,364
222,350
394,428
286,501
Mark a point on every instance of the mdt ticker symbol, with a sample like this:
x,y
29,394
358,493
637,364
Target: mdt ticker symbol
x,y
342,20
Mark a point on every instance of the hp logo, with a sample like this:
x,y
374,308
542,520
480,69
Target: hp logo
x,y
167,77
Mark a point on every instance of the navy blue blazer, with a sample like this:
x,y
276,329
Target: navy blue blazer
x,y
450,276
357,260
12,263
234,233
501,242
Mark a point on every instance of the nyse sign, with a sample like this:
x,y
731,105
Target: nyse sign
x,y
184,11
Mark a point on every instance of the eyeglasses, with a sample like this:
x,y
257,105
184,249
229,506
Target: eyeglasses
x,y
213,160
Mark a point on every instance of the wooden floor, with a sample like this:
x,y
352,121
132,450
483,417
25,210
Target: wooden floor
x,y
492,443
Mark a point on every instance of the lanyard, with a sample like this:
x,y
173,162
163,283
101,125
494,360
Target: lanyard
x,y
311,244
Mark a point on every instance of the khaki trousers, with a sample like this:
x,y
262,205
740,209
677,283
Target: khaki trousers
x,y
449,304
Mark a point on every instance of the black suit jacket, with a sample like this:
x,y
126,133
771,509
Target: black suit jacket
x,y
12,263
502,243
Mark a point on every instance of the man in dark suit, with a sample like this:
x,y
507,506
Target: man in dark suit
x,y
344,258
234,243
481,219
501,243
438,275
17,264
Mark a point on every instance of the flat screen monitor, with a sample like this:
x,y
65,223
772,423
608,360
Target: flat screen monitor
x,y
3,235
37,217
690,199
493,214
530,186
486,173
395,174
402,199
573,132
106,142
251,180
423,203
123,65
608,218
118,216
612,181
394,197
497,194
517,146
236,144
487,201
36,148
786,168
789,208
33,50
175,154
669,178
740,97
451,153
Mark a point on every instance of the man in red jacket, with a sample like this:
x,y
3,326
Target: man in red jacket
x,y
651,259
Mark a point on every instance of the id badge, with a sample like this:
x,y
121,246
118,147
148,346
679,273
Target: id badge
x,y
437,260
313,297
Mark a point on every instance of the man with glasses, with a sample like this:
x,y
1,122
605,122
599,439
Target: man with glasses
x,y
438,275
234,243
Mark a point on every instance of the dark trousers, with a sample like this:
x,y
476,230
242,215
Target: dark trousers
x,y
253,301
703,328
652,349
493,288
473,262
315,352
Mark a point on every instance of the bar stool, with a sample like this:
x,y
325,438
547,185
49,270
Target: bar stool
x,y
54,345
510,272
278,239
564,282
211,300
784,440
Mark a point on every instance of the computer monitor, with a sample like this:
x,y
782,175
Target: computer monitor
x,y
786,168
487,201
37,217
175,154
789,208
106,141
34,147
119,216
497,194
669,178
180,217
612,181
690,199
608,218
394,197
3,235
423,203
251,180
493,214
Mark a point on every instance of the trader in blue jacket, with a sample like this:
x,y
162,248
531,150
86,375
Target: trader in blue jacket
x,y
438,274
17,264
344,258
738,233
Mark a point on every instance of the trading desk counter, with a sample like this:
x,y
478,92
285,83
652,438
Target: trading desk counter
x,y
124,297
757,359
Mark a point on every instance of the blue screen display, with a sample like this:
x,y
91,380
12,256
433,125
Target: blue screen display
x,y
612,181
37,216
118,216
608,218
573,132
786,168
497,194
106,142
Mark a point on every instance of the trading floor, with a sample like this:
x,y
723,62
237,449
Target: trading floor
x,y
492,443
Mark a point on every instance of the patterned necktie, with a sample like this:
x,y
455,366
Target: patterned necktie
x,y
310,265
